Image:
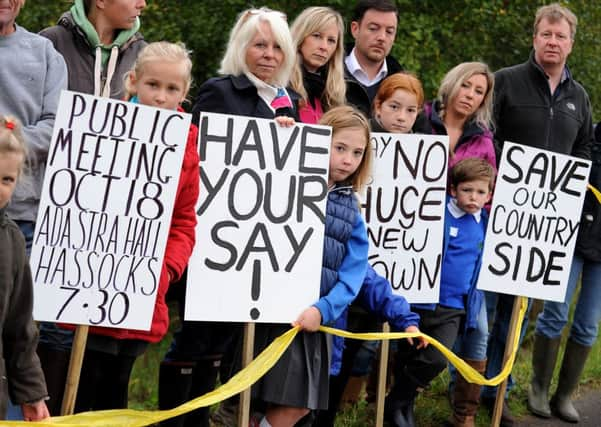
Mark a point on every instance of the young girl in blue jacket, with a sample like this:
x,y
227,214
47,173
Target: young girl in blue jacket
x,y
395,109
299,381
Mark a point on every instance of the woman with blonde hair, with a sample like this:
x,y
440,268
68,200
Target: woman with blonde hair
x,y
463,111
318,75
255,69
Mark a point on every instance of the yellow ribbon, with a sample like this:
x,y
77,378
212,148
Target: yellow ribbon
x,y
255,370
466,370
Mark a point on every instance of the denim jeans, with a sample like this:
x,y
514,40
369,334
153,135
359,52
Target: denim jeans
x,y
471,345
27,228
587,314
497,340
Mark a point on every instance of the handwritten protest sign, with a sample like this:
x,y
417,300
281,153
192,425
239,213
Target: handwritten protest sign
x,y
404,212
112,174
260,220
533,223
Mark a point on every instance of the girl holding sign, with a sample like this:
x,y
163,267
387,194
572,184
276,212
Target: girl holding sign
x,y
396,104
21,373
100,43
160,78
299,380
318,76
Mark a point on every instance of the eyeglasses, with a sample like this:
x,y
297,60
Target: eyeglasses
x,y
262,11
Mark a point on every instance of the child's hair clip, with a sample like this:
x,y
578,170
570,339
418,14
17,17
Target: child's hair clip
x,y
9,125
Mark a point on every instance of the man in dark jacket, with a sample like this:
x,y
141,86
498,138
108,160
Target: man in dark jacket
x,y
369,62
538,104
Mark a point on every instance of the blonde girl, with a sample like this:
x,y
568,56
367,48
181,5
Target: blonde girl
x,y
299,381
318,76
161,77
22,374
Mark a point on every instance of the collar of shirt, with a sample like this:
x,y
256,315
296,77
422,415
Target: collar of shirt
x,y
457,212
565,75
265,91
357,72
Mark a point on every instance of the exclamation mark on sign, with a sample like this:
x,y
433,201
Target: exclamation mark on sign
x,y
255,289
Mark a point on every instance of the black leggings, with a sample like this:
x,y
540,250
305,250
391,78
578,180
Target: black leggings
x,y
104,381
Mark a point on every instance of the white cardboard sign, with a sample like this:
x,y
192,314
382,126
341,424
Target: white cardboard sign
x,y
261,213
404,212
110,184
533,223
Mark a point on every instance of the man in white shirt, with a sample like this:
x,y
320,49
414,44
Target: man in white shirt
x,y
374,28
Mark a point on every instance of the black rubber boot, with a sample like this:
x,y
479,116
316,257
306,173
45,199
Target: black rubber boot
x,y
544,356
574,359
175,379
205,376
398,408
399,413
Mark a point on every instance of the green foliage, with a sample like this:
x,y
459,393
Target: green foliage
x,y
432,38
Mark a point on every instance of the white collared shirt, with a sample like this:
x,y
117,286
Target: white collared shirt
x,y
357,72
457,212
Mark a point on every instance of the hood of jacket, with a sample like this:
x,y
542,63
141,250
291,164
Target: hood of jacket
x,y
77,17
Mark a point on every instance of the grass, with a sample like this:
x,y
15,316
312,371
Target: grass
x,y
432,408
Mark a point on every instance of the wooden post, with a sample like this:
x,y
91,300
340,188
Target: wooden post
x,y
382,376
247,357
77,351
498,410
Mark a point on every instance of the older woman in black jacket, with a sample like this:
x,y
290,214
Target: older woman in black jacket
x,y
254,73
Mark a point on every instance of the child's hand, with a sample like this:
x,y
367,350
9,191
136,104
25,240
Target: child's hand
x,y
35,411
423,343
285,121
309,320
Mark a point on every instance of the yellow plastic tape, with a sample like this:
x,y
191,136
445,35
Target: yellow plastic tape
x,y
132,418
255,370
466,371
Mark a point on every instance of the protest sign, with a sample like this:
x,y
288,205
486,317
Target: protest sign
x,y
261,216
110,184
533,223
404,212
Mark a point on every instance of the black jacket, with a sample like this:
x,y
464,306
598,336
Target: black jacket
x,y
588,244
21,376
236,95
355,91
526,112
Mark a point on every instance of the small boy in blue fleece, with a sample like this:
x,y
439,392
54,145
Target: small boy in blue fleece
x,y
472,180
